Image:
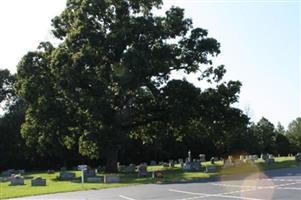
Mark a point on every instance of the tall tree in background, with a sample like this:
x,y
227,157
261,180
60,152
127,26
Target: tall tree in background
x,y
294,134
109,79
265,133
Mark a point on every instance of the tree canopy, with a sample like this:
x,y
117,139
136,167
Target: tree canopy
x,y
109,82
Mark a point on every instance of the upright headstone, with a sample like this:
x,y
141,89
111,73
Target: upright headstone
x,y
153,163
89,173
171,163
270,159
16,180
66,175
38,182
202,157
130,169
264,156
142,170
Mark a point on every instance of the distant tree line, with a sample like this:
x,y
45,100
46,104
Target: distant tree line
x,y
106,93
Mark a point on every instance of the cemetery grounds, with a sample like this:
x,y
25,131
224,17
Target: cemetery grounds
x,y
175,174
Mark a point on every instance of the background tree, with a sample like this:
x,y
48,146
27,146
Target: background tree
x,y
294,134
265,133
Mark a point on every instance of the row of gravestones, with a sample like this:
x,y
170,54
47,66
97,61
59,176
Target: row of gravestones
x,y
90,176
141,169
18,179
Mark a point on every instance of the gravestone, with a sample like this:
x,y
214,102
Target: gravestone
x,y
165,164
6,173
89,173
264,156
121,168
298,157
270,159
241,157
38,182
192,166
16,180
96,179
130,169
202,157
211,169
142,169
171,163
66,176
152,163
111,178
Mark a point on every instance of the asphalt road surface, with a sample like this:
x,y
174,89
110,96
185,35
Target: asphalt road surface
x,y
284,184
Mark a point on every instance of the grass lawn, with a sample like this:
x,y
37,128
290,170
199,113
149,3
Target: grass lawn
x,y
170,175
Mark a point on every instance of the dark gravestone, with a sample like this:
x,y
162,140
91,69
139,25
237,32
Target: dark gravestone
x,y
192,166
142,170
38,182
66,176
264,157
96,179
89,173
153,163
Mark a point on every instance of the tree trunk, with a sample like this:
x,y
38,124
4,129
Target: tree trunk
x,y
112,159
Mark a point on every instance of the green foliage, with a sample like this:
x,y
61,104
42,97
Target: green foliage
x,y
109,75
265,133
294,134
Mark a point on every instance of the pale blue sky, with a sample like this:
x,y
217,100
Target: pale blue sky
x,y
260,45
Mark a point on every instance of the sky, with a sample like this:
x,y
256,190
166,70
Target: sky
x,y
260,45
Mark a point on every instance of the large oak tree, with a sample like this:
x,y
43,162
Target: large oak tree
x,y
109,78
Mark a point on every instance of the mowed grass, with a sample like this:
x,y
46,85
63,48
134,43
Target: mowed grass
x,y
175,174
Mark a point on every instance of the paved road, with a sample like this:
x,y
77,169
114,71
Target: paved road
x,y
284,184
